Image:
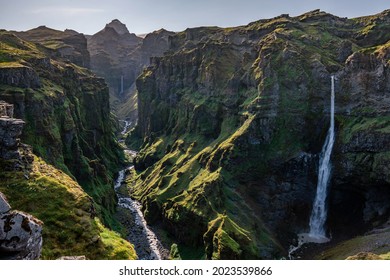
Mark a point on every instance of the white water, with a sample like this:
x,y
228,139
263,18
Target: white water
x,y
319,212
317,233
140,229
126,127
147,245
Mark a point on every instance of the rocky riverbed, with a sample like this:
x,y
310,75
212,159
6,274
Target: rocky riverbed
x,y
146,242
129,213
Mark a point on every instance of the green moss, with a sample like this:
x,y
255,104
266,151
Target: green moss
x,y
67,213
226,240
174,253
354,125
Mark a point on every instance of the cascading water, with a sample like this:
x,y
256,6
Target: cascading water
x,y
146,242
317,233
319,212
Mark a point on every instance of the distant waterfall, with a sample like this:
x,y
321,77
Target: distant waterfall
x,y
319,212
121,92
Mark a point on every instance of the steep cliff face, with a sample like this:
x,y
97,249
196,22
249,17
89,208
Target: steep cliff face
x,y
67,115
233,121
119,56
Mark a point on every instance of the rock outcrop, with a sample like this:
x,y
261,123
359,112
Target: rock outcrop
x,y
233,121
20,234
13,154
19,76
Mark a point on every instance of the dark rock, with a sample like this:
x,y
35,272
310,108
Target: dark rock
x,y
6,110
15,156
344,51
22,76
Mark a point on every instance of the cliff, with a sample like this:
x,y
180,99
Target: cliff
x,y
119,56
66,113
233,121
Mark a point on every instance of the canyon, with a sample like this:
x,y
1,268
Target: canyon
x,y
228,123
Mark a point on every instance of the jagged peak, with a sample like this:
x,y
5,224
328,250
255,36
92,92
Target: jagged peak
x,y
161,31
118,26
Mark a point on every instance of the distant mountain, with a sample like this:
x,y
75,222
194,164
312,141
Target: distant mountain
x,y
119,56
67,44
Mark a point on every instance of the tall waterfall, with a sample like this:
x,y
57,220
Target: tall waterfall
x,y
317,232
319,212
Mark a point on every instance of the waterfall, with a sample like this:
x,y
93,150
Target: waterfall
x,y
319,212
318,216
121,85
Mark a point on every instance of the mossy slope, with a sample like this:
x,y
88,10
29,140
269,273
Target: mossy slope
x,y
70,227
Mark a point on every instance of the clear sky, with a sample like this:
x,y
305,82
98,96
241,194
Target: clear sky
x,y
143,16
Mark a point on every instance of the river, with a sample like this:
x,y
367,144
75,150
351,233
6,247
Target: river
x,y
145,241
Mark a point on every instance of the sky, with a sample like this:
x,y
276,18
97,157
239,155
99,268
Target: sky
x,y
144,16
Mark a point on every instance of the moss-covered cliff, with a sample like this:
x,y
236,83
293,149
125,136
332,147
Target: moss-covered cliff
x,y
233,120
67,115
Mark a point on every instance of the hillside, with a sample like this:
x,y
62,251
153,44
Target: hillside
x,y
232,121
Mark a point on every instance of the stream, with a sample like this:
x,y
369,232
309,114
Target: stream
x,y
146,243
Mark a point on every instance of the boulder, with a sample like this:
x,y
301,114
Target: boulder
x,y
20,234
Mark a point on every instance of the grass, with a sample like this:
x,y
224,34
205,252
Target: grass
x,y
353,125
67,212
11,64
